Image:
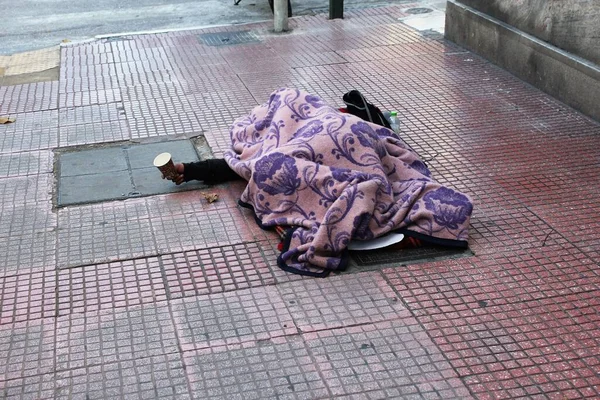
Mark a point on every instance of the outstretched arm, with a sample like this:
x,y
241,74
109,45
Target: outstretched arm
x,y
211,171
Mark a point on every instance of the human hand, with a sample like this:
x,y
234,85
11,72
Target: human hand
x,y
179,178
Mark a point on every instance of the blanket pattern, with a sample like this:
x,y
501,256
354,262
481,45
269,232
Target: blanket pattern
x,y
331,177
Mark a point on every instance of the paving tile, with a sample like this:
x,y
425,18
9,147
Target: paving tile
x,y
29,220
31,387
326,304
98,132
32,189
104,232
88,84
218,110
153,377
395,357
221,319
88,98
94,338
210,228
25,163
280,369
78,245
219,269
91,114
27,253
157,377
112,285
27,296
30,131
27,348
31,97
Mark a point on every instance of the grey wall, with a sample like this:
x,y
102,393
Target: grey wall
x,y
572,25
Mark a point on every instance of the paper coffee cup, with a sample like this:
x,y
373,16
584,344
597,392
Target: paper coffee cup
x,y
164,163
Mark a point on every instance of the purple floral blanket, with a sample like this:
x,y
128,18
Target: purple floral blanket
x,y
331,177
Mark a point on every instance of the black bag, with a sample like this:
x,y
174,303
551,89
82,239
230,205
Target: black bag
x,y
358,105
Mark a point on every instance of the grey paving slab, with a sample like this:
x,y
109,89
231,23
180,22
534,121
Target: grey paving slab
x,y
231,318
26,349
394,358
278,369
94,161
104,337
343,300
97,187
141,156
148,181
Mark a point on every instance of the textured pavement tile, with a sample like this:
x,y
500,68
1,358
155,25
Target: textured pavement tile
x,y
29,97
31,131
21,254
93,338
33,189
107,241
397,357
88,98
26,219
30,388
91,114
219,269
158,377
210,228
114,285
27,296
26,163
104,232
97,132
338,301
278,369
231,318
27,348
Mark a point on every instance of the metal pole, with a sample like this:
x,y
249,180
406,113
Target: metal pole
x,y
280,12
336,9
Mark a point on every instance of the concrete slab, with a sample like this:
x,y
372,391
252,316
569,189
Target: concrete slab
x,y
120,172
90,162
141,156
97,187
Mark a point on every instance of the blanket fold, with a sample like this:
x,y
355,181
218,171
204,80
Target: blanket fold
x,y
332,177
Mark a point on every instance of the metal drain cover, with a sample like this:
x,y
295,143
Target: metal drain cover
x,y
419,10
228,38
405,256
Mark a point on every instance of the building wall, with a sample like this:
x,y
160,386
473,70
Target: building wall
x,y
571,25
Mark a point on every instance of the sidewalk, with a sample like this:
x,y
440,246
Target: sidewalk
x,y
169,296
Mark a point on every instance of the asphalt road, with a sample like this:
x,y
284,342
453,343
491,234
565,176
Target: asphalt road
x,y
29,25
